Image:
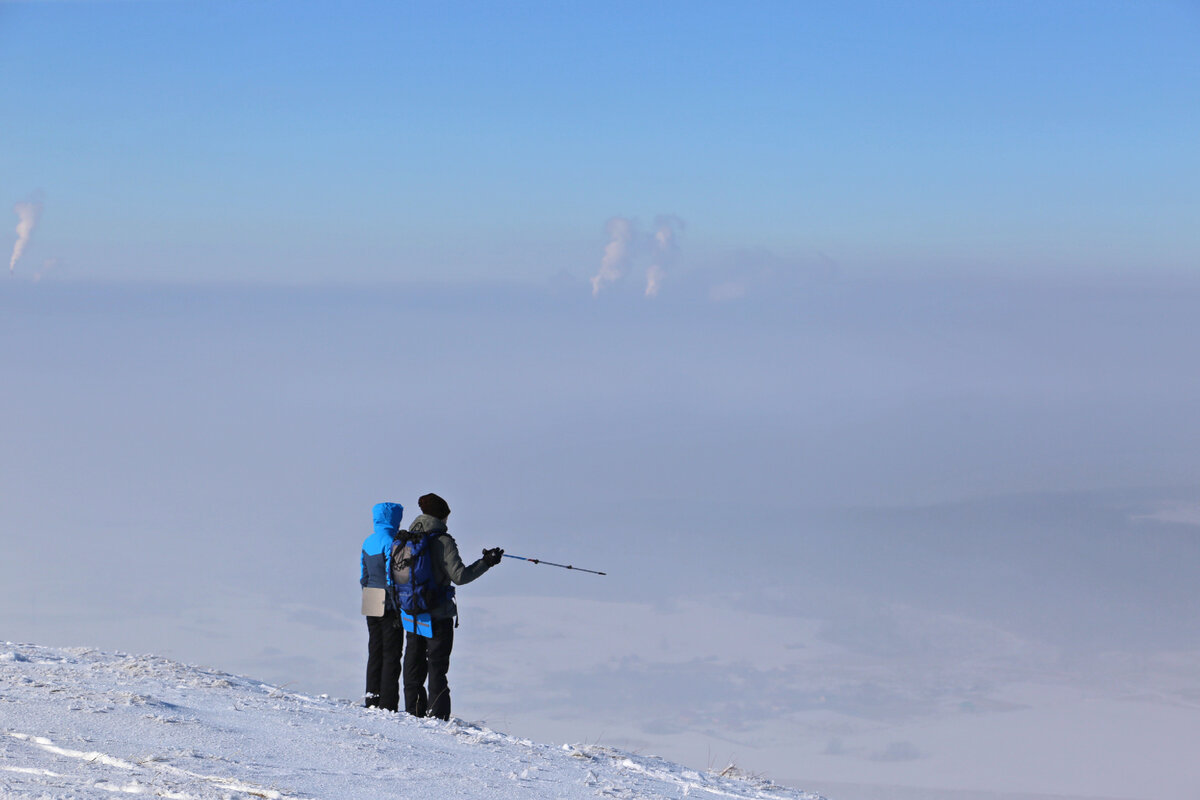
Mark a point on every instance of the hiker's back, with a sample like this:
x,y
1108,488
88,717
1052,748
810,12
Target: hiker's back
x,y
418,575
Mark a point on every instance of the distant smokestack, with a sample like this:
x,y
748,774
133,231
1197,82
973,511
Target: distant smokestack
x,y
666,251
617,253
27,217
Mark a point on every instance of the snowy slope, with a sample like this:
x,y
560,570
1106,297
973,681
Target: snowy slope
x,y
83,723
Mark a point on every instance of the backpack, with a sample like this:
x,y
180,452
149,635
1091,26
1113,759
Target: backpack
x,y
415,588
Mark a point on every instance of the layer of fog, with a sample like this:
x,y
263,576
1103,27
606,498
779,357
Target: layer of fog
x,y
944,486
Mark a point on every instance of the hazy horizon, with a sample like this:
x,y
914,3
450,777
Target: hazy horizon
x,y
880,522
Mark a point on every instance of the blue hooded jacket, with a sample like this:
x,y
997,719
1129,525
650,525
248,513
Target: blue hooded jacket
x,y
377,548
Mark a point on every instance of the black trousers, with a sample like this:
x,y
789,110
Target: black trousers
x,y
385,645
429,659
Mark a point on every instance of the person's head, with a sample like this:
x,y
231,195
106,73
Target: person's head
x,y
434,506
388,515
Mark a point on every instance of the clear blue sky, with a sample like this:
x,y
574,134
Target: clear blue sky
x,y
299,141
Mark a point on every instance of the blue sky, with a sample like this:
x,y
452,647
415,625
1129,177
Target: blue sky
x,y
319,142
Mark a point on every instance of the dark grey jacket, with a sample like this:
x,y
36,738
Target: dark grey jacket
x,y
447,563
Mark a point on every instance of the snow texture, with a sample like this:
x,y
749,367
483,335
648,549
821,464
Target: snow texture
x,y
79,723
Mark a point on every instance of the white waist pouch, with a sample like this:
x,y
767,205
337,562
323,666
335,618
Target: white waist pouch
x,y
372,604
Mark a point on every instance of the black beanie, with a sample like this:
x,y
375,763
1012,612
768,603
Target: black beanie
x,y
434,506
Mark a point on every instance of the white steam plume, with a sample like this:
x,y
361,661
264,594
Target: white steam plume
x,y
654,279
666,251
47,265
27,217
617,253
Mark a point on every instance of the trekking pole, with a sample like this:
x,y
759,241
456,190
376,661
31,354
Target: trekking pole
x,y
552,564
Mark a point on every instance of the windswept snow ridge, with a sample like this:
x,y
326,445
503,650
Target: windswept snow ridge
x,y
85,724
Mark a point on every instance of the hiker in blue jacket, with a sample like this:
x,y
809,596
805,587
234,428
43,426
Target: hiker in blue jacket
x,y
385,642
429,657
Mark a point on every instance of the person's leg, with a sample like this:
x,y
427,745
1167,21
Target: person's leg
x,y
374,660
392,650
415,670
439,648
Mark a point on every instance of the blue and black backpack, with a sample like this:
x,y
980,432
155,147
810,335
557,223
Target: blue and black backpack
x,y
415,589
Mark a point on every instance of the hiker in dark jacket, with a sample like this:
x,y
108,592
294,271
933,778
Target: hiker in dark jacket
x,y
385,642
429,658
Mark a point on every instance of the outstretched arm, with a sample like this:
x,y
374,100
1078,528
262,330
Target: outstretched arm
x,y
453,563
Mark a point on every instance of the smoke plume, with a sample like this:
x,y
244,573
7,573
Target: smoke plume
x,y
628,246
27,217
617,253
47,266
665,251
654,279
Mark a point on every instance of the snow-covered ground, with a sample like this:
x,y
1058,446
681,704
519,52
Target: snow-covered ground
x,y
83,723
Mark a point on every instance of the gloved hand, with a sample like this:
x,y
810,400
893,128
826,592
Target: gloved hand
x,y
492,557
